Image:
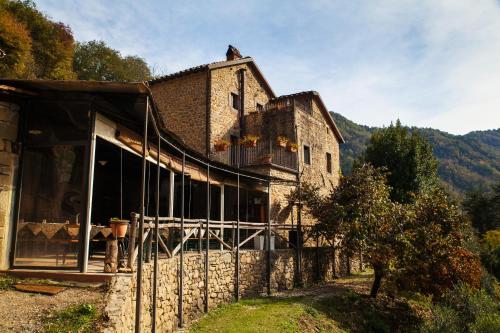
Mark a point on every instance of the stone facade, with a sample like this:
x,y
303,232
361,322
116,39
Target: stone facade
x,y
224,120
182,105
314,132
9,118
299,117
317,265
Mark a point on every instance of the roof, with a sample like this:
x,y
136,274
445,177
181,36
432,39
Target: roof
x,y
216,65
33,86
324,110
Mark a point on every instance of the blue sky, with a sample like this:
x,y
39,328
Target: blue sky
x,y
430,63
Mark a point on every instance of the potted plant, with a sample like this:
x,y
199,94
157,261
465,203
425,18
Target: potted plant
x,y
281,141
249,140
266,159
118,227
292,147
221,145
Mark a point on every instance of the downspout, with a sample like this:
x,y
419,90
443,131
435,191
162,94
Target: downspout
x,y
208,112
241,112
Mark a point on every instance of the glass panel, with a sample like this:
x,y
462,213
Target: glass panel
x,y
51,206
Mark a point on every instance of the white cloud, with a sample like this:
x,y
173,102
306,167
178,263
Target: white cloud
x,y
432,63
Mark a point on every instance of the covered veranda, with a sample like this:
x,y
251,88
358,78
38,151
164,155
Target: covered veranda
x,y
94,152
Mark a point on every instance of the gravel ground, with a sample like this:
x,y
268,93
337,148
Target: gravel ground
x,y
24,312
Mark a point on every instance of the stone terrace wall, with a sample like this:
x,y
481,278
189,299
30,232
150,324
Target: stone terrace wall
x,y
120,309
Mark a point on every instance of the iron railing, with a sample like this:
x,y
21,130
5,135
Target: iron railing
x,y
263,153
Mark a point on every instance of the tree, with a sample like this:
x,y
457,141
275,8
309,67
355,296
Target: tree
x,y
491,252
408,158
94,60
52,42
360,214
483,208
434,252
15,41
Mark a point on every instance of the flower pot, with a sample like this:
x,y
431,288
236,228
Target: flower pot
x,y
221,147
291,149
251,144
281,144
119,228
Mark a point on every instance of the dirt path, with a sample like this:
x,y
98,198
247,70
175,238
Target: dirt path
x,y
24,312
360,283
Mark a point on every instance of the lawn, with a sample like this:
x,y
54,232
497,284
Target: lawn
x,y
343,306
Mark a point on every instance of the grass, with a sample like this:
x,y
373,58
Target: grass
x,y
7,282
80,318
266,315
341,310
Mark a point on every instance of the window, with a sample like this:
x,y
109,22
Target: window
x,y
307,155
329,162
235,101
259,107
327,130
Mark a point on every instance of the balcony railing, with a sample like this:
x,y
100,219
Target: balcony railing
x,y
264,153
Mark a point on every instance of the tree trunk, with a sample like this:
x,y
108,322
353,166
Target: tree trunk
x,y
334,269
376,283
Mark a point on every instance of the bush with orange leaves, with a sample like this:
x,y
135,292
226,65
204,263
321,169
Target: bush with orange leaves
x,y
434,252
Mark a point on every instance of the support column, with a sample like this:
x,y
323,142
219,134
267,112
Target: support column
x,y
171,194
84,256
237,259
268,238
138,296
181,252
207,235
156,237
222,215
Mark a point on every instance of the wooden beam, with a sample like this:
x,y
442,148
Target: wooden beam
x,y
184,239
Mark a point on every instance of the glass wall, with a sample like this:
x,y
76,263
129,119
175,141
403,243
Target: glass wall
x,y
51,207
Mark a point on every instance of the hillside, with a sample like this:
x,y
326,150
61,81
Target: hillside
x,y
465,161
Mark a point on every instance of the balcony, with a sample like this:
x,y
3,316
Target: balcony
x,y
264,153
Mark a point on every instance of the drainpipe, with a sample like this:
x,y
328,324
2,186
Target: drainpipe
x,y
241,112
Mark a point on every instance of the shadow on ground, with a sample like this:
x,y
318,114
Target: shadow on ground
x,y
342,306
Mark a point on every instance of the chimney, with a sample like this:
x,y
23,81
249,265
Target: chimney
x,y
232,53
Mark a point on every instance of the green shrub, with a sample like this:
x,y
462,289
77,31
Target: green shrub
x,y
7,281
444,320
486,323
469,303
464,309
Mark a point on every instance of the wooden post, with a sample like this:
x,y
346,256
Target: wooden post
x,y
149,245
131,243
111,259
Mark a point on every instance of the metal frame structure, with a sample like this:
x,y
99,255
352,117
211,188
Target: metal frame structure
x,y
149,223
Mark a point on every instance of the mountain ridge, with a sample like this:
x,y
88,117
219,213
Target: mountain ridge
x,y
466,161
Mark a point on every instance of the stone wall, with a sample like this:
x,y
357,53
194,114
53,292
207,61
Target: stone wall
x,y
182,106
317,265
9,118
314,132
223,117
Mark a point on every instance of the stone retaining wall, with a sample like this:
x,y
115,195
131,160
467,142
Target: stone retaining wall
x,y
317,265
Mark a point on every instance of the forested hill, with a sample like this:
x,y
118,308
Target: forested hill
x,y
465,161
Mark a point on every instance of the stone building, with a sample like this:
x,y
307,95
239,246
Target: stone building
x,y
231,99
